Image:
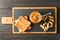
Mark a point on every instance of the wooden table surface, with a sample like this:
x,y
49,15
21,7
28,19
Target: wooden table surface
x,y
6,10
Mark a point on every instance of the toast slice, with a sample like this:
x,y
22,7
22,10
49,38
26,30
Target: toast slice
x,y
22,24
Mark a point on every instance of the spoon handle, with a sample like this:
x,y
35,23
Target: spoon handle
x,y
46,14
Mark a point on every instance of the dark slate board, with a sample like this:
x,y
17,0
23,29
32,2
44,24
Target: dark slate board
x,y
6,10
27,12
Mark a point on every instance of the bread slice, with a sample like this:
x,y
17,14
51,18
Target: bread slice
x,y
22,24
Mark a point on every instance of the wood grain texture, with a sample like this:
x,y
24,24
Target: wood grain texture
x,y
6,10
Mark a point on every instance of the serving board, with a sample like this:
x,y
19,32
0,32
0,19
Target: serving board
x,y
36,29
